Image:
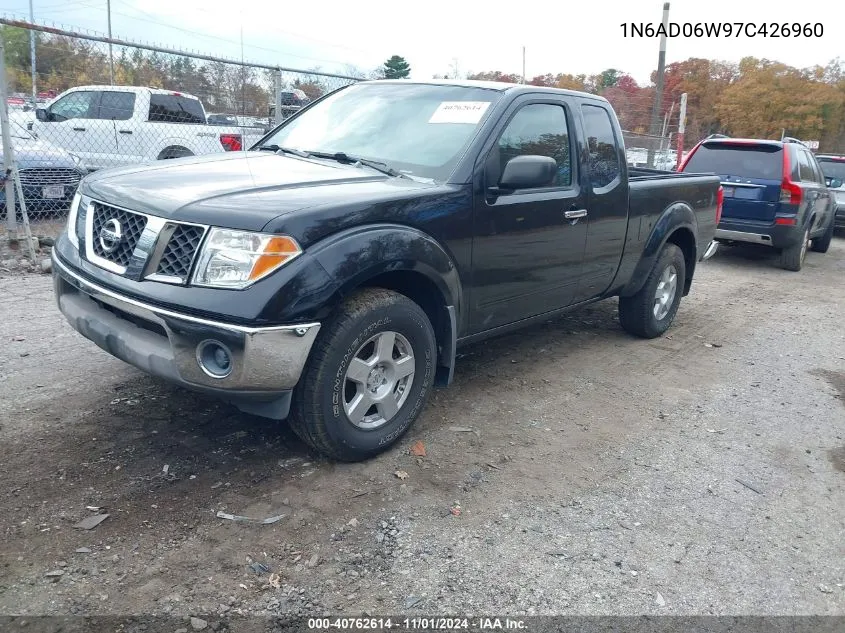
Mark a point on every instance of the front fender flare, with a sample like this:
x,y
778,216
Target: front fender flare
x,y
678,215
352,257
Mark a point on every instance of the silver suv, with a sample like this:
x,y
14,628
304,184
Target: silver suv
x,y
833,167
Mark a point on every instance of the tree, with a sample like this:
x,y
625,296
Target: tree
x,y
495,75
769,97
608,78
396,68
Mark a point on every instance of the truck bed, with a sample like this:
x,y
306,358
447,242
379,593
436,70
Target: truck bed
x,y
651,191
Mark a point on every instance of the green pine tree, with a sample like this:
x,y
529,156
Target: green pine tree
x,y
396,68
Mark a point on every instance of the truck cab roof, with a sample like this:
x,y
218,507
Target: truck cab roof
x,y
135,89
499,86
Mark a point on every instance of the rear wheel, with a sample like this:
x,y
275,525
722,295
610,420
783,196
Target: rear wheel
x,y
650,312
368,376
174,152
822,244
792,258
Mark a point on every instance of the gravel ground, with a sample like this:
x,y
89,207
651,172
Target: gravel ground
x,y
571,469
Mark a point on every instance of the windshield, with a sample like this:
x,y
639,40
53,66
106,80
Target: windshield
x,y
832,168
417,129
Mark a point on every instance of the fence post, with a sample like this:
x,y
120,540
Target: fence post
x,y
277,91
10,169
8,157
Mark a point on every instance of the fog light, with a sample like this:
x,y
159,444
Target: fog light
x,y
214,358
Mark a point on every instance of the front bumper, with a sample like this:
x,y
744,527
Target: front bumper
x,y
266,362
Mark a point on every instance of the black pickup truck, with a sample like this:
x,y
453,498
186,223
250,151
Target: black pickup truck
x,y
329,274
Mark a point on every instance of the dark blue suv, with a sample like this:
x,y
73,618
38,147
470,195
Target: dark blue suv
x,y
774,194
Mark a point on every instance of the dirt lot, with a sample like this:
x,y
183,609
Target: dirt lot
x,y
701,473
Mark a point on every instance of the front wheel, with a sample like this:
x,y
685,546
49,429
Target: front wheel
x,y
368,376
650,312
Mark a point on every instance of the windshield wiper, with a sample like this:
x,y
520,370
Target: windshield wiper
x,y
285,150
343,157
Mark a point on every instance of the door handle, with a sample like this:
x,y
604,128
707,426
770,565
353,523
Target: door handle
x,y
125,131
79,129
574,214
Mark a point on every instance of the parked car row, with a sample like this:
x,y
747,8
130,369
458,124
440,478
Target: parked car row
x,y
777,194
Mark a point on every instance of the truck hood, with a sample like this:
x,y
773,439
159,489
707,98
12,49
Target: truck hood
x,y
239,190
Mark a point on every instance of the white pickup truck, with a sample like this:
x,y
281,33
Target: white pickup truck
x,y
111,126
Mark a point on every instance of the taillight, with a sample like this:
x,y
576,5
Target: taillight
x,y
790,192
720,200
231,142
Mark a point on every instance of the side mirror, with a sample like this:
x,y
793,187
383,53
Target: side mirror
x,y
835,183
528,172
41,114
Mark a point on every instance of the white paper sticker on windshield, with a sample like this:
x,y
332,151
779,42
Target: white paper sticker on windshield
x,y
459,112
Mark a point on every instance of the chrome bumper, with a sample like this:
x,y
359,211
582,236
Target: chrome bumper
x,y
712,247
742,236
266,361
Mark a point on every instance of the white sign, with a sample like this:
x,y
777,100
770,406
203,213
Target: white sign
x,y
459,112
812,144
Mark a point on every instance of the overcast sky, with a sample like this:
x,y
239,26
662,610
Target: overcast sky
x,y
583,36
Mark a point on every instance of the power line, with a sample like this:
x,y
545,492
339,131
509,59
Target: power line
x,y
201,35
156,20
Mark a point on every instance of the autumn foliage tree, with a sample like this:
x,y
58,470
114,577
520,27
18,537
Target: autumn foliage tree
x,y
769,98
754,98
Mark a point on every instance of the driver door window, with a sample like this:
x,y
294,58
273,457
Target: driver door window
x,y
540,130
76,105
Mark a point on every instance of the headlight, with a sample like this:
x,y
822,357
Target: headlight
x,y
236,259
71,219
76,160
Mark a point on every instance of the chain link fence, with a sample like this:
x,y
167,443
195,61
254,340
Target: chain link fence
x,y
646,150
97,103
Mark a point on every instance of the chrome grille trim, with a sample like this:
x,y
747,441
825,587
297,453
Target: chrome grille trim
x,y
46,176
154,242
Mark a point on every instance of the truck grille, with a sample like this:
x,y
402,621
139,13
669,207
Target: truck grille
x,y
179,253
165,254
45,176
131,226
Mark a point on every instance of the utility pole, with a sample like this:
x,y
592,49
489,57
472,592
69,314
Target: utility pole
x,y
111,54
682,124
523,65
32,55
658,97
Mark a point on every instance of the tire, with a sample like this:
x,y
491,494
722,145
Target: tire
x,y
639,314
324,414
792,258
822,244
174,152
